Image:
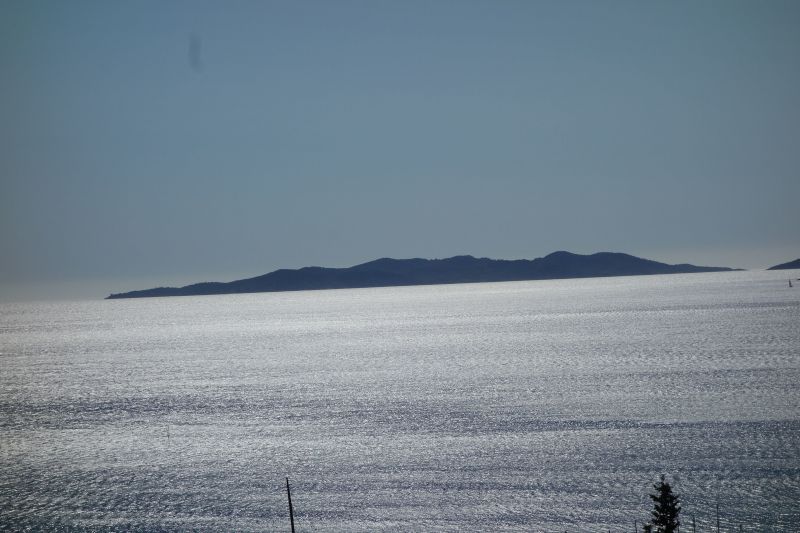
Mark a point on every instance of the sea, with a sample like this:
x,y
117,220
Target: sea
x,y
544,406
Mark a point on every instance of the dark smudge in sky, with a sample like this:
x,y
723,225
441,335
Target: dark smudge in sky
x,y
195,52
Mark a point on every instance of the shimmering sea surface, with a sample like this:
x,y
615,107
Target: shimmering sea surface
x,y
527,406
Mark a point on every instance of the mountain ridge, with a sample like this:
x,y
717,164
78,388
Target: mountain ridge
x,y
389,272
786,266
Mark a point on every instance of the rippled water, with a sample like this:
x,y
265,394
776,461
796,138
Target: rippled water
x,y
528,406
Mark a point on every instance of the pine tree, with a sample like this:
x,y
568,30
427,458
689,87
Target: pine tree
x,y
666,509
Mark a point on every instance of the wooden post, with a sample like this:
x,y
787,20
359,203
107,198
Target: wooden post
x,y
718,518
694,525
291,511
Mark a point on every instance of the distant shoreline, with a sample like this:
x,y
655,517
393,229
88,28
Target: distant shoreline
x,y
787,266
389,272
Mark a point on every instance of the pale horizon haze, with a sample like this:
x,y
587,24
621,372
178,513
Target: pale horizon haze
x,y
165,143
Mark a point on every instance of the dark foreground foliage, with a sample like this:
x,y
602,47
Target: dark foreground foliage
x,y
666,509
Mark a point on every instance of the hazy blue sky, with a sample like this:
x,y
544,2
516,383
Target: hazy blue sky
x,y
148,143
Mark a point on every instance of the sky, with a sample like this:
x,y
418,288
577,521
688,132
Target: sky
x,y
159,142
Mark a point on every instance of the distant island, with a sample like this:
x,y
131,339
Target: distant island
x,y
786,266
460,269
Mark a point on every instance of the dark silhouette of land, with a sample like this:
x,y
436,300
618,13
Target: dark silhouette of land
x,y
460,269
786,266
